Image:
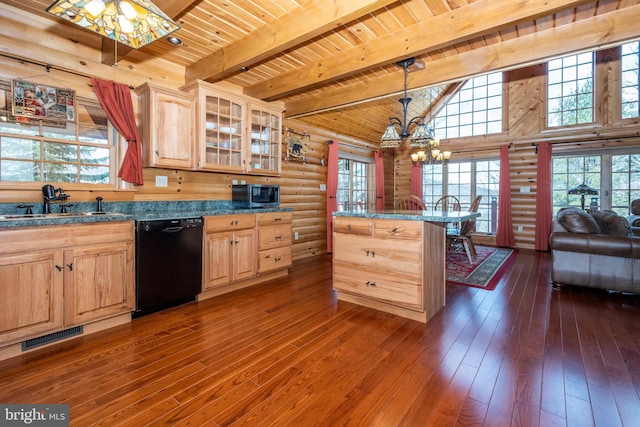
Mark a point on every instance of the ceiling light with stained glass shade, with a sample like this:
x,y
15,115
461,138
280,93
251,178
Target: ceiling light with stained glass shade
x,y
391,137
134,23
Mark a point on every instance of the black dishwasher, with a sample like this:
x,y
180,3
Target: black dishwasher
x,y
168,263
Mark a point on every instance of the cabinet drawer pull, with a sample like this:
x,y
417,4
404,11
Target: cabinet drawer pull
x,y
278,219
276,259
70,266
59,268
394,230
278,237
349,227
370,284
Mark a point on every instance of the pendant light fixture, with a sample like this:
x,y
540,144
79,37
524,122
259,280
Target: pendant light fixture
x,y
134,23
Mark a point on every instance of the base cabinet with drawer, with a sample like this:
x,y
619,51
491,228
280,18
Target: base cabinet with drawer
x,y
390,265
85,275
241,250
274,241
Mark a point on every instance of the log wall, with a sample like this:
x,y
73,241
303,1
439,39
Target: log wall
x,y
300,182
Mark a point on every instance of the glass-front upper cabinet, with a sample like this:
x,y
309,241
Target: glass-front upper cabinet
x,y
236,133
266,136
223,134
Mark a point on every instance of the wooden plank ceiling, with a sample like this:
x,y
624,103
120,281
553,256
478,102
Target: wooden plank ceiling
x,y
333,63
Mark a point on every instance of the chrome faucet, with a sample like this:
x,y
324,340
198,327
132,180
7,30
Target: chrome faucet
x,y
50,194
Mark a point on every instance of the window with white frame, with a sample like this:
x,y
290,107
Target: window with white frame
x,y
630,90
432,183
39,151
616,176
570,90
356,191
466,180
475,109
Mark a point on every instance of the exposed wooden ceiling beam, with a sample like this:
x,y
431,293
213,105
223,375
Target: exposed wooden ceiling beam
x,y
309,20
171,8
469,21
592,33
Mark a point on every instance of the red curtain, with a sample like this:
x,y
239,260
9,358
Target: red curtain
x,y
504,235
416,181
543,198
379,180
115,99
332,190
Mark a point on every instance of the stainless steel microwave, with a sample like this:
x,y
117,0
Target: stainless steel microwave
x,y
255,196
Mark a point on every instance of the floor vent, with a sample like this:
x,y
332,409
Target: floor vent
x,y
46,339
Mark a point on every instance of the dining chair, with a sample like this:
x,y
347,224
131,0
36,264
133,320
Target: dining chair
x,y
409,203
447,203
462,240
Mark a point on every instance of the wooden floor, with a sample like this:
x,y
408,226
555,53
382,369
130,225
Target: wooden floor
x,y
287,354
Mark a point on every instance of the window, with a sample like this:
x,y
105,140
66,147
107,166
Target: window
x,y
432,184
570,90
615,175
466,180
476,109
39,151
630,95
355,185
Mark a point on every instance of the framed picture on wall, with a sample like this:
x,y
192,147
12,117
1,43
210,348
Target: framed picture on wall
x,y
39,101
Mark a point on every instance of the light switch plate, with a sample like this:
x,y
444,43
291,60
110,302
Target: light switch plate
x,y
162,181
525,189
323,187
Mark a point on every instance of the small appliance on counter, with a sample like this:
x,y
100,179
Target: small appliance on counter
x,y
249,196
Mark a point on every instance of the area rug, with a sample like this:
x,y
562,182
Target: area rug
x,y
485,272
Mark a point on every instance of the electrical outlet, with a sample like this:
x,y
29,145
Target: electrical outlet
x,y
234,182
323,187
520,229
295,235
162,181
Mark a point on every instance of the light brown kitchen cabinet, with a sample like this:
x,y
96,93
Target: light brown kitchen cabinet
x,y
168,127
85,274
98,282
236,133
230,251
391,265
30,294
274,241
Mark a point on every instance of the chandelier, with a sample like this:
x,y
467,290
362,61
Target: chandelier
x,y
134,23
422,137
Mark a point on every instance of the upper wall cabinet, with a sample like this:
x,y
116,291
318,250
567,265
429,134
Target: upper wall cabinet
x,y
167,127
236,133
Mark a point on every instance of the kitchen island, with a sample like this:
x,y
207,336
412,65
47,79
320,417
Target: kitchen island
x,y
393,261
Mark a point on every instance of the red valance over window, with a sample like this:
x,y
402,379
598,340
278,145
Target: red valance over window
x,y
115,99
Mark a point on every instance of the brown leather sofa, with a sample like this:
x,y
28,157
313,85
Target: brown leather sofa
x,y
597,250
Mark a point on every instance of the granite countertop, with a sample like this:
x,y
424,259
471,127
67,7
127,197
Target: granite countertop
x,y
430,216
83,212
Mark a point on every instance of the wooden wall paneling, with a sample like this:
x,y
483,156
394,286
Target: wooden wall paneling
x,y
525,105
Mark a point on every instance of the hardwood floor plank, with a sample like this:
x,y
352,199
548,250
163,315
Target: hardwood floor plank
x,y
287,352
